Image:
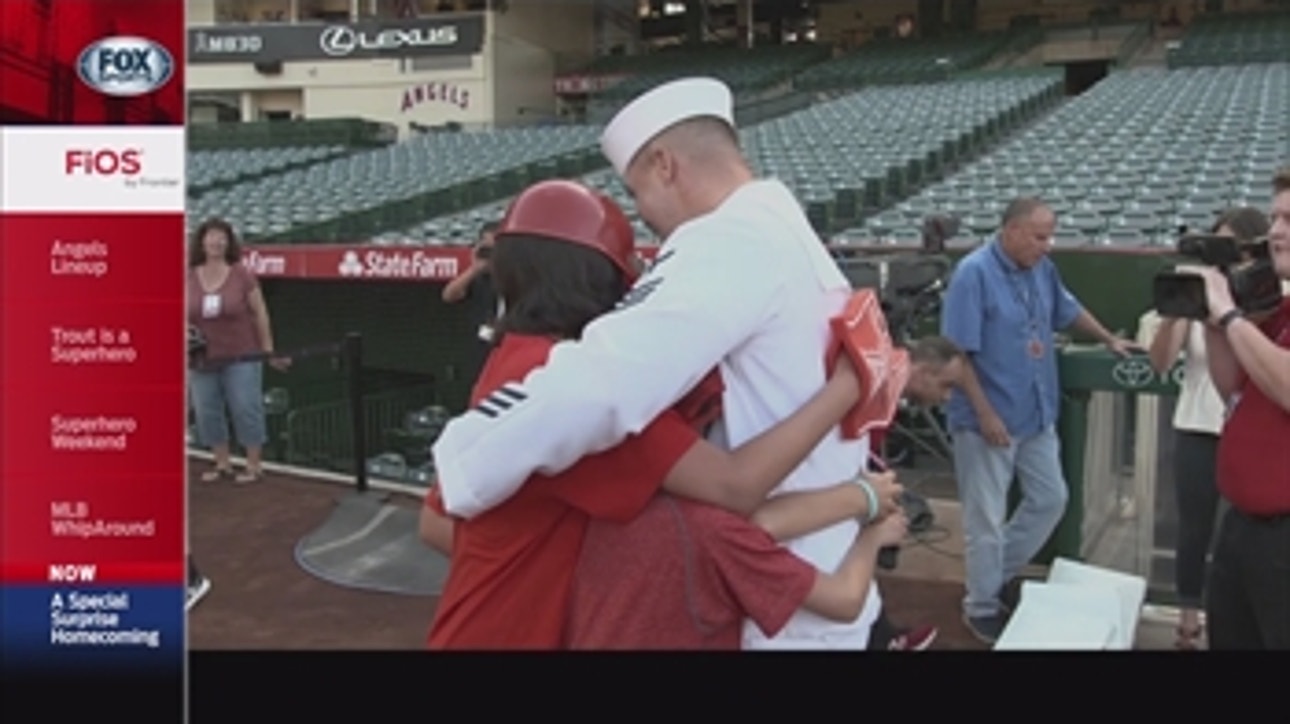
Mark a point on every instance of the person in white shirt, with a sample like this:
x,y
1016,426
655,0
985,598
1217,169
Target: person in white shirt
x,y
741,283
1198,420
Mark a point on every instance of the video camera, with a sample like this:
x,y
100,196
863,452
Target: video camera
x,y
921,520
1254,284
196,346
914,293
910,287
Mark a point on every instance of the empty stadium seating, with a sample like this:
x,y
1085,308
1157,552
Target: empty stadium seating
x,y
848,155
745,71
1233,40
463,228
907,61
1139,156
347,132
391,186
742,70
207,169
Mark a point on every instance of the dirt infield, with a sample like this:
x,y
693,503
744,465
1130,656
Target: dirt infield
x,y
243,539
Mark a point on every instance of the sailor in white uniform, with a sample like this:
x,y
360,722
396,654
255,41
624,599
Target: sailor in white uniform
x,y
741,283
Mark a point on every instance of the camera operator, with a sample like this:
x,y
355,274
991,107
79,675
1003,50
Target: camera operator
x,y
475,285
937,230
1248,601
1197,421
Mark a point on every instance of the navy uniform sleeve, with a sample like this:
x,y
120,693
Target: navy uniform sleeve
x,y
702,298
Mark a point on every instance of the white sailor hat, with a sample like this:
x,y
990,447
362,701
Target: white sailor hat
x,y
659,109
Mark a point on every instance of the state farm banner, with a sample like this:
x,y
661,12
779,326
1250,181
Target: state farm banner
x,y
428,264
365,262
364,39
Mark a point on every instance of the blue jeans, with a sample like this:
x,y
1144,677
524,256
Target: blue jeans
x,y
998,548
238,387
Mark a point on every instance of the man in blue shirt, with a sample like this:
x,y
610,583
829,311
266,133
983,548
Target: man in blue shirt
x,y
1004,302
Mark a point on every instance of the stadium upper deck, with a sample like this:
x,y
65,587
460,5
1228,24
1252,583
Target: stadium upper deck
x,y
1123,162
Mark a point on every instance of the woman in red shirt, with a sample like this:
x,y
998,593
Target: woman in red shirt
x,y
563,256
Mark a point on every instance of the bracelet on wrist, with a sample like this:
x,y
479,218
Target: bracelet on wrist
x,y
872,499
1228,317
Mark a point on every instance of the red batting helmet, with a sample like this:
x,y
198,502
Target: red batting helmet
x,y
569,211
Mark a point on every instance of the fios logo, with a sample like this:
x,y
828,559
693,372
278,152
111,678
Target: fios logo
x,y
104,162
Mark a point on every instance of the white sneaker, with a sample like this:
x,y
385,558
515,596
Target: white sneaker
x,y
196,592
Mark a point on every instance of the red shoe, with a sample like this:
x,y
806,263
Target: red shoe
x,y
915,639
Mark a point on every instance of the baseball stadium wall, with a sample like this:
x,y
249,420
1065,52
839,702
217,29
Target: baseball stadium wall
x,y
411,334
856,20
476,70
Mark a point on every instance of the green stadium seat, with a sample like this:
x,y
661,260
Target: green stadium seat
x,y
902,61
847,157
1125,237
744,71
1143,153
432,166
1068,238
1234,40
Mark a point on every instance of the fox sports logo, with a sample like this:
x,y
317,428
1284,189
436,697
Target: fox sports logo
x,y
125,66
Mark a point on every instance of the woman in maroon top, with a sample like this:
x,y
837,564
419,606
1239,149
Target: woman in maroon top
x,y
225,304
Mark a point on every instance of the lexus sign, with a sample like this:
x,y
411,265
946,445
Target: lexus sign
x,y
341,41
440,35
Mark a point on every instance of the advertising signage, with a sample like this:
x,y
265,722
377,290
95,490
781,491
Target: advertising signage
x,y
93,471
365,39
366,262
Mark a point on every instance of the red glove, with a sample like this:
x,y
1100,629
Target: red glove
x,y
860,332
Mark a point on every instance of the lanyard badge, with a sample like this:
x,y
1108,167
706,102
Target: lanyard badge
x,y
211,306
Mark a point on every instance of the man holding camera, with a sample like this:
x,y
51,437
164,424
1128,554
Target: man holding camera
x,y
1005,300
1248,604
475,285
